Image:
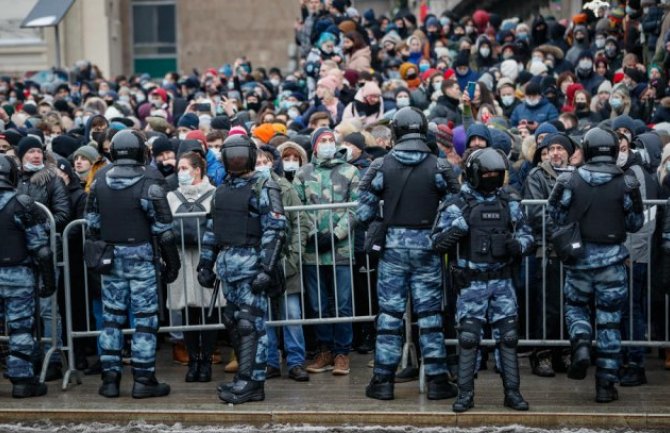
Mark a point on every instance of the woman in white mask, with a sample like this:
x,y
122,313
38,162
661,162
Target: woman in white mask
x,y
185,295
293,157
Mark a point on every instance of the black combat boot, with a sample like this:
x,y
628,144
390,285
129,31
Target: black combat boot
x,y
146,385
25,387
110,384
380,387
510,376
466,380
244,389
605,391
440,388
581,357
633,375
193,367
205,373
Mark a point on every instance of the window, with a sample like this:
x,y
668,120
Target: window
x,y
154,35
154,29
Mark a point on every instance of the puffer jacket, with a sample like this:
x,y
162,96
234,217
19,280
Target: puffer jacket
x,y
44,186
542,112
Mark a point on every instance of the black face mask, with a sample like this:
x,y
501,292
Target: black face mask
x,y
580,106
165,169
368,109
580,40
254,106
98,137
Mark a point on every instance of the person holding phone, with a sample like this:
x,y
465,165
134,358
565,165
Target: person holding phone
x,y
534,110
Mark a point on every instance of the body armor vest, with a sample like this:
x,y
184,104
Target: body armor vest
x,y
599,210
13,249
122,219
490,227
234,223
419,198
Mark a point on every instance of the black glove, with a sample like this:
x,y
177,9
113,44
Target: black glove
x,y
447,240
45,266
261,283
324,242
513,248
170,255
206,275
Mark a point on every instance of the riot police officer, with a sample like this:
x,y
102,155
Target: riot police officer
x,y
23,252
127,208
601,203
484,229
244,236
412,182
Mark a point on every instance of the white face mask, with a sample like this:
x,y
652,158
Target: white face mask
x,y
621,159
182,136
402,102
585,65
507,100
485,52
437,87
185,178
32,167
600,43
275,82
326,150
532,102
291,166
350,153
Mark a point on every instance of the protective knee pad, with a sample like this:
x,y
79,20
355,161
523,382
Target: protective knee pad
x,y
389,321
469,333
509,334
246,318
228,316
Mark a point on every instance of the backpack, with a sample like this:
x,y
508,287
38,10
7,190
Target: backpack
x,y
191,233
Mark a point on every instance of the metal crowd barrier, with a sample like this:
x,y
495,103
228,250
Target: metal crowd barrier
x,y
53,324
336,213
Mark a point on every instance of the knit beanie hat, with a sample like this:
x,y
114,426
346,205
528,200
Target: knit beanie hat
x,y
87,152
189,120
316,135
27,143
64,145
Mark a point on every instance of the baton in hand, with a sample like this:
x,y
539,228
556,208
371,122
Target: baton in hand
x,y
215,294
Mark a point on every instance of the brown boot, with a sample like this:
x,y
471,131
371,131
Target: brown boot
x,y
216,357
323,362
231,367
341,365
667,358
179,353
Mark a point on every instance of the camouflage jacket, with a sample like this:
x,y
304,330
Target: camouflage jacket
x,y
325,182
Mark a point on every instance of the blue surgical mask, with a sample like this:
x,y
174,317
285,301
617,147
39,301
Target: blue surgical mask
x,y
423,67
616,102
32,167
264,169
402,102
185,178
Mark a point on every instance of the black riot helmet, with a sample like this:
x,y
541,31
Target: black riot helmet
x,y
600,145
485,169
410,127
128,148
9,172
238,154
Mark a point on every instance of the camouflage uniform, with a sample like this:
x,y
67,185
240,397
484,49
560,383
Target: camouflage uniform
x,y
600,274
408,267
238,266
322,182
131,285
17,291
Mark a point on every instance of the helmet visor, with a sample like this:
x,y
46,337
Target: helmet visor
x,y
236,159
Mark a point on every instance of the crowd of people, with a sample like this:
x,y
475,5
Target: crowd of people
x,y
528,87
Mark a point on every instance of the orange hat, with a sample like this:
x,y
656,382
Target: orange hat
x,y
264,132
279,128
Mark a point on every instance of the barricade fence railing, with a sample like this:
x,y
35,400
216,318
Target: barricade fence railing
x,y
46,329
338,285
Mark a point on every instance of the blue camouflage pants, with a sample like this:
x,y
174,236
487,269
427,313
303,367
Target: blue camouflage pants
x,y
19,310
491,301
415,273
608,286
239,294
131,285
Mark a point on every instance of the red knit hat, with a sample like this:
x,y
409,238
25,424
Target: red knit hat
x,y
160,92
198,135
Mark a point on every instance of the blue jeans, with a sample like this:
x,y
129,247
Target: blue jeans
x,y
334,337
294,341
635,354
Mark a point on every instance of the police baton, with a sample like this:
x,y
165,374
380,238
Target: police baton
x,y
215,294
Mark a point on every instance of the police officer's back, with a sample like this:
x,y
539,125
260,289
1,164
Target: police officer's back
x,y
599,204
128,210
24,252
